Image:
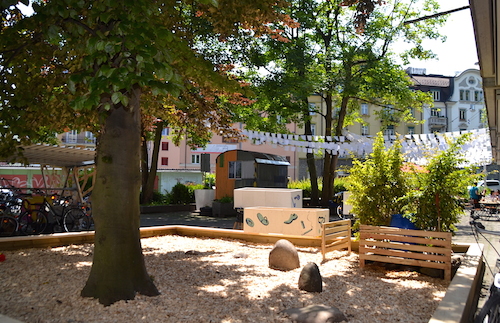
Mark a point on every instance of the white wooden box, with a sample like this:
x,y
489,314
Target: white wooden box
x,y
271,197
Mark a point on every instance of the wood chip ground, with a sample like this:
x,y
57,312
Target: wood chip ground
x,y
211,280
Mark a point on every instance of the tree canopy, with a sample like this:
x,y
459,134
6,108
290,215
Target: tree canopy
x,y
345,60
102,66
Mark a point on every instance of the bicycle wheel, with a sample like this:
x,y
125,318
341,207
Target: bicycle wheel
x,y
32,222
76,220
8,226
490,313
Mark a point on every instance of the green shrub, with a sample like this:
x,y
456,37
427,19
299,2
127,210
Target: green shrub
x,y
339,185
158,198
304,185
378,184
180,194
226,199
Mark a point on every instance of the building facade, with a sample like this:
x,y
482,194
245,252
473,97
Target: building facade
x,y
458,106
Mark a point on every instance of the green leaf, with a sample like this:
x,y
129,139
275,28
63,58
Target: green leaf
x,y
116,97
71,86
124,100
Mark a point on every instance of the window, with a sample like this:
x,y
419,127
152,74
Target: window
x,y
164,146
165,132
389,131
435,112
164,161
462,114
195,159
312,109
412,111
364,109
365,131
411,130
89,137
234,169
478,96
436,95
313,129
71,137
464,95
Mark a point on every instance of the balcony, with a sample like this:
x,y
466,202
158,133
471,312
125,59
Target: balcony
x,y
437,121
78,141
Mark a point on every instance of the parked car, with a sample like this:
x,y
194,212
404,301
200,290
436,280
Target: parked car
x,y
491,184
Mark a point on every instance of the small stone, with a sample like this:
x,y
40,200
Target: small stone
x,y
316,314
310,279
284,256
240,255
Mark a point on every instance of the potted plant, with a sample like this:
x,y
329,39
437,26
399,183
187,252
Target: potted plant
x,y
204,197
431,197
436,203
223,207
378,184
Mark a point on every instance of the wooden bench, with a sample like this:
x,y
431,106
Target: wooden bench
x,y
335,235
407,247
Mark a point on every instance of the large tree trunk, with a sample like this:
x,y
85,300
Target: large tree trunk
x,y
118,269
311,166
148,183
330,161
327,191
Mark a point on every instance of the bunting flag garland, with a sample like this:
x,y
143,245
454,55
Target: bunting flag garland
x,y
416,148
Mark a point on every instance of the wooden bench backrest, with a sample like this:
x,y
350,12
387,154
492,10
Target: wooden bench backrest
x,y
407,247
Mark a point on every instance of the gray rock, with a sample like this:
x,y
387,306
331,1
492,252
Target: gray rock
x,y
316,314
310,278
284,256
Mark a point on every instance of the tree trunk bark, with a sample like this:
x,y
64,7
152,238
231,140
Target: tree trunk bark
x,y
326,193
118,269
144,164
149,185
330,165
311,166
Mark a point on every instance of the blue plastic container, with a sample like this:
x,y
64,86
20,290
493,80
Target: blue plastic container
x,y
398,221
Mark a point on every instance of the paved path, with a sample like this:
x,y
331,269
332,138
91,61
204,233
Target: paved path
x,y
186,218
491,246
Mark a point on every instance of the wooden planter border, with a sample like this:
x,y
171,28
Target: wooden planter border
x,y
406,247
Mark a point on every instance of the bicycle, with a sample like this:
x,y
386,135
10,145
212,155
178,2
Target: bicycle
x,y
490,312
15,218
8,225
62,215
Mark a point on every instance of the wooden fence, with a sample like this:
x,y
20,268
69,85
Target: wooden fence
x,y
407,247
335,235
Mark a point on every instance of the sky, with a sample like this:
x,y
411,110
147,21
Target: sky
x,y
458,53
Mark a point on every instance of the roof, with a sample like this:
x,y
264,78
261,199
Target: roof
x,y
265,158
58,156
431,81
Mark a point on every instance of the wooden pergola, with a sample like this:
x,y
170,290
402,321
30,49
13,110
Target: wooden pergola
x,y
72,160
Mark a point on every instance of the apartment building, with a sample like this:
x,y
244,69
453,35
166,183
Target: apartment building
x,y
458,101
